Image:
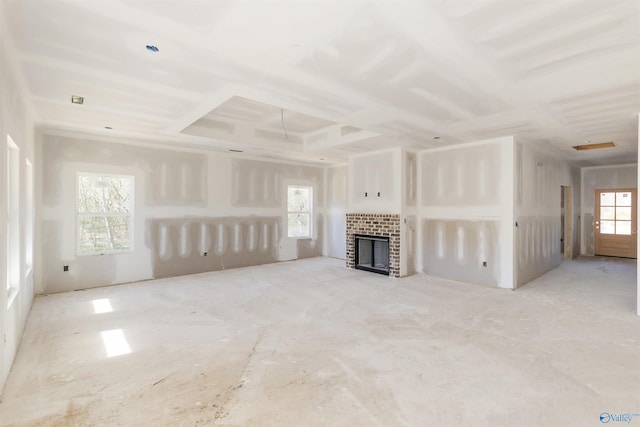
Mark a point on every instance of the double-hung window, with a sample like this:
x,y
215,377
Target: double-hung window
x,y
299,211
104,213
13,219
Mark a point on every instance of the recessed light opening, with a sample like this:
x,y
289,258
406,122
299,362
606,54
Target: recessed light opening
x,y
75,99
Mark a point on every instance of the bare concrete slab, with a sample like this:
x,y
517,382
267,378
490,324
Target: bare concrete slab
x,y
310,343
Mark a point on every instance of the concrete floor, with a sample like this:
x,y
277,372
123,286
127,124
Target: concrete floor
x,y
310,343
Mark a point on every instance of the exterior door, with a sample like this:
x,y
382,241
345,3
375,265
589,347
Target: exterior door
x,y
615,224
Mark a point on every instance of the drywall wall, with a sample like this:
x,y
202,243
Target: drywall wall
x,y
458,249
17,225
410,180
466,215
600,178
186,203
539,180
409,214
336,209
375,184
196,245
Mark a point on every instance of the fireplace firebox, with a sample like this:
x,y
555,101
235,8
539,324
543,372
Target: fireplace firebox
x,y
372,253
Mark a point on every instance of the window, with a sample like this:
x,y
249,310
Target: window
x,y
104,213
299,209
13,219
615,212
28,217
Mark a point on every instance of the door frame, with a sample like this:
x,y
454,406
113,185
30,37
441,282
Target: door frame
x,y
634,225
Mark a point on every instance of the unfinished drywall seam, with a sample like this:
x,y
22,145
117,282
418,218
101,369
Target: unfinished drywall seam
x,y
420,264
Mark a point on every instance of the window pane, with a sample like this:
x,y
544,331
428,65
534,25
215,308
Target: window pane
x,y
107,194
299,225
607,212
103,234
623,213
623,227
607,199
607,227
623,198
298,199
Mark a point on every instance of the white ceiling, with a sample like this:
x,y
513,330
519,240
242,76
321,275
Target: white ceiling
x,y
322,79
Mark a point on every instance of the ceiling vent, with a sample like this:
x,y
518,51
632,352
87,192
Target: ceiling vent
x,y
75,99
594,146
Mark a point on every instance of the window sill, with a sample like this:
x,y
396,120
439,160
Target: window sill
x,y
128,251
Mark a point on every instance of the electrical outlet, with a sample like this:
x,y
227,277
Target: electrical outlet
x,y
65,268
204,254
484,263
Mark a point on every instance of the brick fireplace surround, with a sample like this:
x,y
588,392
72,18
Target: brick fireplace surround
x,y
382,225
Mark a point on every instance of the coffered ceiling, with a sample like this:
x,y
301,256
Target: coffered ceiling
x,y
317,80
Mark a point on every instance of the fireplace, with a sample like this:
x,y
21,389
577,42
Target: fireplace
x,y
372,253
383,228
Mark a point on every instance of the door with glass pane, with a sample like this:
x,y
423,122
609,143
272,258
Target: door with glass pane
x,y
615,223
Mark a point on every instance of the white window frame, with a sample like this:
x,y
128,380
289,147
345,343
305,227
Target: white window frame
x,y
13,256
29,217
130,214
310,212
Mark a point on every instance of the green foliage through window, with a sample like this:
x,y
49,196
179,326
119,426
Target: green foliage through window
x,y
104,211
299,205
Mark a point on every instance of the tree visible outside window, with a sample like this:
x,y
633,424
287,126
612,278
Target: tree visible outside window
x,y
104,212
299,210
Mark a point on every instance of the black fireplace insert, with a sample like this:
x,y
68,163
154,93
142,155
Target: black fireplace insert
x,y
372,253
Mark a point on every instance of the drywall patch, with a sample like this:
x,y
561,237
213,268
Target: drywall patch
x,y
93,271
177,243
174,177
458,250
253,180
537,246
411,179
468,176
